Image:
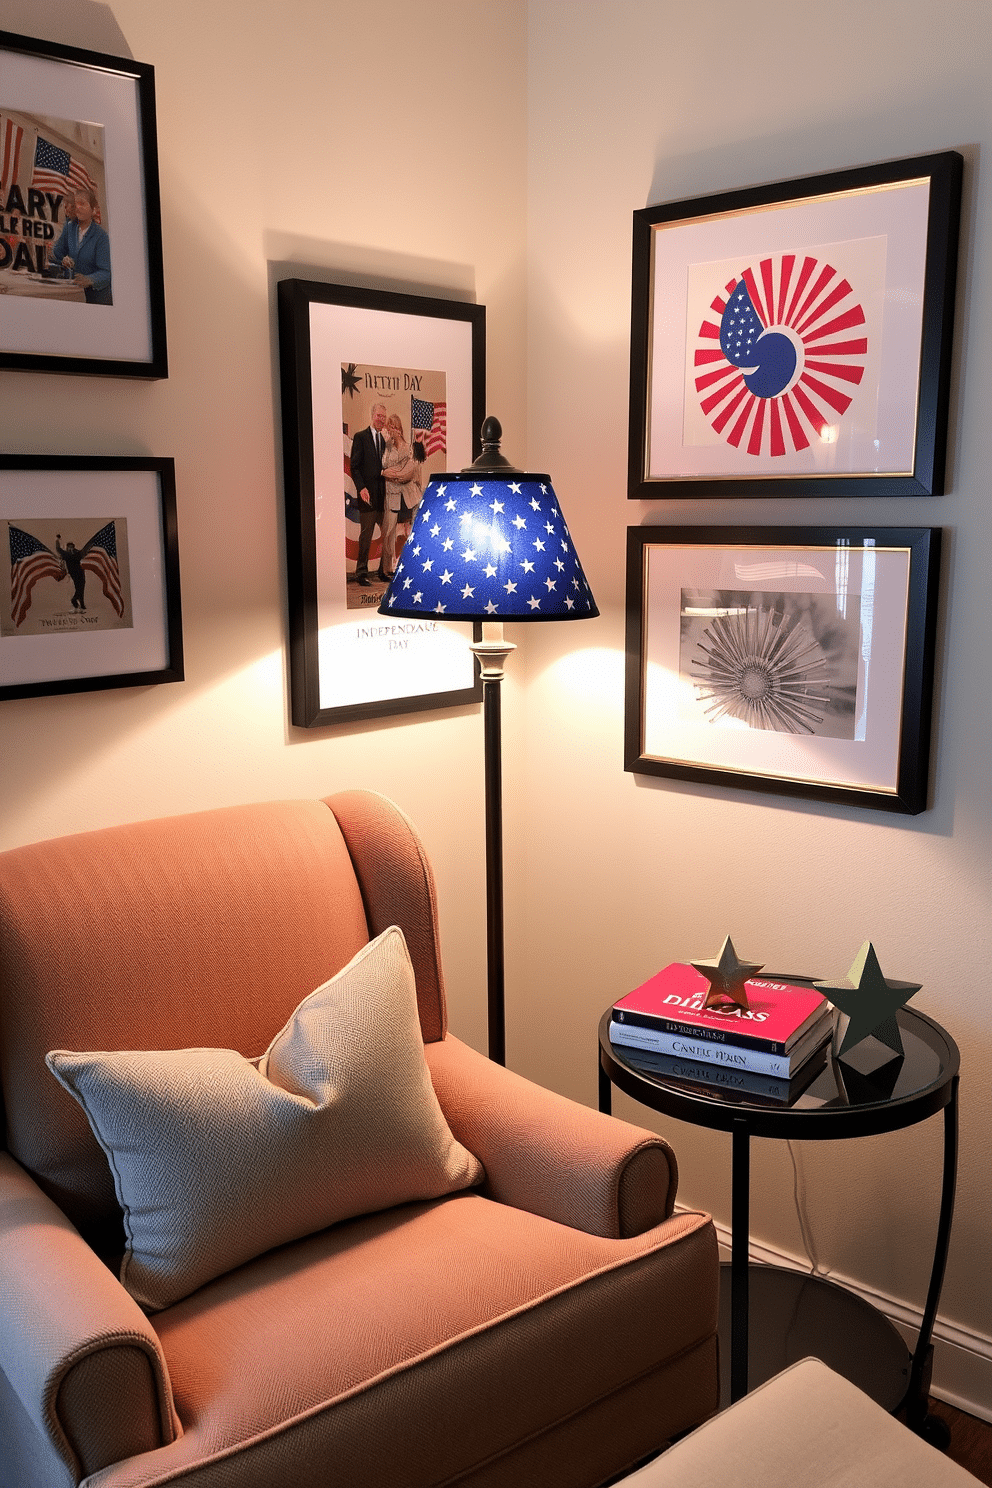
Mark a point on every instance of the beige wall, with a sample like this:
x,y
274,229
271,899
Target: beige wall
x,y
609,875
638,102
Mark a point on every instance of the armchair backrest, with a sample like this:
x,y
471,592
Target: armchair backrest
x,y
192,931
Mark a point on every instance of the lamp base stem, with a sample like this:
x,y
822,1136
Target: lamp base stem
x,y
492,652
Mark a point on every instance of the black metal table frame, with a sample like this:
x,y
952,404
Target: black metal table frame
x,y
745,1121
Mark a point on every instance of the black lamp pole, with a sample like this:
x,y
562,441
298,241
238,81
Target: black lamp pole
x,y
492,651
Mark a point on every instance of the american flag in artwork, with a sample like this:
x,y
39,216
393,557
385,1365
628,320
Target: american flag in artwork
x,y
100,558
30,560
55,170
780,360
11,149
429,423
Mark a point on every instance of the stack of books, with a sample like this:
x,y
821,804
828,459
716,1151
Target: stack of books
x,y
767,1049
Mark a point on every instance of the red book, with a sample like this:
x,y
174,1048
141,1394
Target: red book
x,y
673,1000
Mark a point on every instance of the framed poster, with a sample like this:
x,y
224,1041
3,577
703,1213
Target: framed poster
x,y
80,223
357,364
795,339
90,589
797,660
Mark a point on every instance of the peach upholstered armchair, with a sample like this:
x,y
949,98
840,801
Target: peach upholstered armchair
x,y
263,1221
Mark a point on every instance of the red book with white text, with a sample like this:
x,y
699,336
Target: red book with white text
x,y
673,1001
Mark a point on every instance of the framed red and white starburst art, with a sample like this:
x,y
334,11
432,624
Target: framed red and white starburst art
x,y
796,660
795,339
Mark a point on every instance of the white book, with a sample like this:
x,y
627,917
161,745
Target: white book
x,y
731,1056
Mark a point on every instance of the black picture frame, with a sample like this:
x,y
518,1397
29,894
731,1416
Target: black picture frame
x,y
825,691
121,624
346,662
865,411
85,120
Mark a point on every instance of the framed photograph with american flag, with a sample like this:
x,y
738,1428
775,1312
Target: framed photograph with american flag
x,y
380,392
795,338
89,576
81,270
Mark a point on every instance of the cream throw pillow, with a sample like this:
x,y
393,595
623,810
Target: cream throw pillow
x,y
217,1158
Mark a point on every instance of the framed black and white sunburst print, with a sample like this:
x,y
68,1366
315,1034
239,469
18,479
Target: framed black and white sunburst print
x,y
797,660
796,338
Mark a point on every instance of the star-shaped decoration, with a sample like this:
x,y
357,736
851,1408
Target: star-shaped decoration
x,y
727,974
527,566
476,491
491,608
497,507
535,604
868,1003
350,381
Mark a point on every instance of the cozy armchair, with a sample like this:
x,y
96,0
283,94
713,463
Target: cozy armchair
x,y
520,1306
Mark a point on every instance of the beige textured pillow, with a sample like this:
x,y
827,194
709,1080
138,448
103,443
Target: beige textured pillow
x,y
217,1158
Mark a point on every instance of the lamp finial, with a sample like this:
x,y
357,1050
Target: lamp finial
x,y
491,459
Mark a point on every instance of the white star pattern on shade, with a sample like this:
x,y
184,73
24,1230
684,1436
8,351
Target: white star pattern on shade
x,y
493,568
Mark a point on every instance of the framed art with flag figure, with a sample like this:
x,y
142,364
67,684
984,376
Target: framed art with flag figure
x,y
795,338
81,270
90,591
380,392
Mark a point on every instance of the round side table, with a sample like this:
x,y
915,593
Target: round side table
x,y
796,1313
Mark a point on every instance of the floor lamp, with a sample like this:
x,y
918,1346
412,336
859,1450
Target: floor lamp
x,y
490,544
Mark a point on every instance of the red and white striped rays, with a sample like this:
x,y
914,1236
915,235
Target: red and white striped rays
x,y
806,301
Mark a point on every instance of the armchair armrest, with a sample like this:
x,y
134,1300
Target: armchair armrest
x,y
550,1155
76,1349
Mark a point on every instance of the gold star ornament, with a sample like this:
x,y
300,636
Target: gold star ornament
x,y
867,1003
727,975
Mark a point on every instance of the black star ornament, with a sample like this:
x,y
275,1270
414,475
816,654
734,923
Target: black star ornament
x,y
727,975
867,1003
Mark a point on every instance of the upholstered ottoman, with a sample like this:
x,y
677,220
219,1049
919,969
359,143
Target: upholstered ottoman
x,y
806,1428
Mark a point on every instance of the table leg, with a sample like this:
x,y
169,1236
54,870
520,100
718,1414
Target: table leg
x,y
740,1247
932,1428
605,1091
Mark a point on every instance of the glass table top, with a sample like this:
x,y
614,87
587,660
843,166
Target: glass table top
x,y
870,1089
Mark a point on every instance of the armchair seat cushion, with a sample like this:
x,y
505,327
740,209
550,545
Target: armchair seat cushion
x,y
494,1305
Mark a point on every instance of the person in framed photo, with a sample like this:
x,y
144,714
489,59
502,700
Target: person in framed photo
x,y
83,247
400,471
367,448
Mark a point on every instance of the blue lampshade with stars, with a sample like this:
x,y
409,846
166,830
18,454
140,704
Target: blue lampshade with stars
x,y
489,543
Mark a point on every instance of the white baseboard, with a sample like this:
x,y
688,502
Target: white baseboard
x,y
962,1361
